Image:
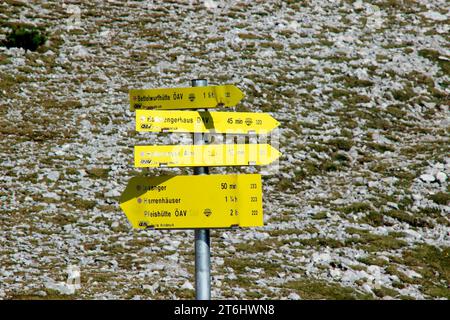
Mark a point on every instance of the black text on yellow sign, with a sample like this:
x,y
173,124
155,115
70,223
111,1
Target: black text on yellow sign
x,y
204,155
204,201
185,98
204,122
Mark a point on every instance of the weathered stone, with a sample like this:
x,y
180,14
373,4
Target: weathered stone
x,y
293,296
441,177
53,175
427,177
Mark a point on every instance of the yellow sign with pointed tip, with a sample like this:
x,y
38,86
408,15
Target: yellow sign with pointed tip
x,y
185,98
204,122
204,155
203,201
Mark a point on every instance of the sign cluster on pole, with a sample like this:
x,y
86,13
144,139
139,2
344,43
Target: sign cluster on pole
x,y
199,201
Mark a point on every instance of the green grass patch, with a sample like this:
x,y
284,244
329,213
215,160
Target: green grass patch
x,y
320,215
385,291
380,147
341,144
98,173
434,265
322,242
374,219
411,219
83,203
356,207
28,38
374,260
434,56
240,265
396,111
373,242
405,94
352,82
258,246
311,289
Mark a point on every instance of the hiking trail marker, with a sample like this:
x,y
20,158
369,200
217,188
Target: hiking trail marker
x,y
225,201
201,201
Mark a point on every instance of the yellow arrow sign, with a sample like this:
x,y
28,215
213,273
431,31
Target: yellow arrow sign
x,y
185,98
206,201
204,155
204,121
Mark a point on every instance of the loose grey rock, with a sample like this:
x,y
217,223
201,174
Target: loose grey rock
x,y
112,193
152,288
155,266
427,177
351,276
115,225
260,235
169,248
219,261
293,296
187,285
61,287
392,205
51,195
335,273
366,287
412,274
231,276
412,234
75,123
321,257
175,243
53,175
441,177
41,293
375,271
434,15
146,287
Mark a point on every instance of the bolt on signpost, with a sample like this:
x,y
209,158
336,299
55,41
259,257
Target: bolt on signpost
x,y
201,201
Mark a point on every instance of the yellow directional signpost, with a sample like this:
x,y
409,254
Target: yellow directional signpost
x,y
174,202
204,155
204,122
185,98
201,201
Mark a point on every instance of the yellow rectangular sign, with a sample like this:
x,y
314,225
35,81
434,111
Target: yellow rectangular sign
x,y
204,121
204,155
185,98
189,202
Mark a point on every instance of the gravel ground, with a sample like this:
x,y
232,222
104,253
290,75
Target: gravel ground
x,y
358,206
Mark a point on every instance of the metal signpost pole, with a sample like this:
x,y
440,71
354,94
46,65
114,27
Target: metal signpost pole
x,y
202,241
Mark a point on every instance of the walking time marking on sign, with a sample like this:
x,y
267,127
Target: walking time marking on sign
x,y
203,201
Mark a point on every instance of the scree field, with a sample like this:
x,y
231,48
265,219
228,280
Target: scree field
x,y
357,209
